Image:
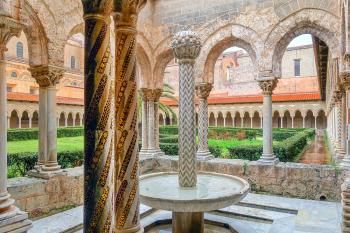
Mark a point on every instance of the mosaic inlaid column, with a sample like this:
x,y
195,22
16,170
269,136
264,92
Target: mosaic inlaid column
x,y
203,92
126,203
339,143
267,85
186,47
144,95
11,218
47,77
345,201
99,127
345,80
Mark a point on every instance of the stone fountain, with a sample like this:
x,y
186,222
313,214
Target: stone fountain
x,y
189,194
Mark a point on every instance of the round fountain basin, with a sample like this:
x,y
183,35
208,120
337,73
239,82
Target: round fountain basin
x,y
213,191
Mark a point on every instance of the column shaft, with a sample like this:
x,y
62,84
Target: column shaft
x,y
51,163
42,126
151,126
187,131
203,91
98,134
144,125
127,217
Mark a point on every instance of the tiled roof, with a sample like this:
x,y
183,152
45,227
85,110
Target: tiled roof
x,y
15,96
255,98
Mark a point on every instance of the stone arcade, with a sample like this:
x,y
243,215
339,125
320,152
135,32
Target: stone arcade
x,y
128,40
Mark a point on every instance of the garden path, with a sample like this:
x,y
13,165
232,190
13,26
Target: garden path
x,y
317,152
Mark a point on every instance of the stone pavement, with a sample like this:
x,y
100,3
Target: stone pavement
x,y
254,214
317,153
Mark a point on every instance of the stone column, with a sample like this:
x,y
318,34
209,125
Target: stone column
x,y
251,122
65,121
267,85
171,121
11,218
127,204
164,120
340,143
316,122
281,122
144,122
203,91
19,122
345,201
30,122
303,122
99,121
186,46
292,116
47,77
156,95
345,80
80,121
73,121
261,122
216,121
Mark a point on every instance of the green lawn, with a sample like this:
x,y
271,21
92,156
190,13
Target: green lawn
x,y
63,144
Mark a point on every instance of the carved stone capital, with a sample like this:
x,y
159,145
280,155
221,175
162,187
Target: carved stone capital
x,y
150,94
125,13
186,46
337,96
9,27
203,90
267,85
47,76
344,78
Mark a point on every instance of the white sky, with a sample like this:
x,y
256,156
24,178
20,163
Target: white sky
x,y
305,39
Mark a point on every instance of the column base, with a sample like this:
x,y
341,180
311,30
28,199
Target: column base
x,y
14,221
204,155
153,152
345,163
269,159
137,229
46,174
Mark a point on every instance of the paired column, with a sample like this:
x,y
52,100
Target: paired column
x,y
11,218
47,77
267,85
345,80
126,202
339,143
150,121
186,47
203,92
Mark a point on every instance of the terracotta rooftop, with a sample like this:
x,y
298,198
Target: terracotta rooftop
x,y
255,98
15,96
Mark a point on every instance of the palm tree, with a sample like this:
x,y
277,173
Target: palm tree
x,y
168,93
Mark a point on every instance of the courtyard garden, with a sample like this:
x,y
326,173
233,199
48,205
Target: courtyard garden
x,y
231,143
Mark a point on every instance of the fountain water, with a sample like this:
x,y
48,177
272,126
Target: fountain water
x,y
188,194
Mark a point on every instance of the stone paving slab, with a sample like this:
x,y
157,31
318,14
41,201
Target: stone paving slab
x,y
307,217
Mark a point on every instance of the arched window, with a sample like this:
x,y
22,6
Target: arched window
x,y
72,62
19,50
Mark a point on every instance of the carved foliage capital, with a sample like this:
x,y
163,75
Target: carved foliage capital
x,y
337,96
186,45
344,78
203,90
47,76
126,12
267,86
150,94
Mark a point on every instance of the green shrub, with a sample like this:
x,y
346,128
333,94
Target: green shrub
x,y
33,133
21,163
170,148
169,139
168,130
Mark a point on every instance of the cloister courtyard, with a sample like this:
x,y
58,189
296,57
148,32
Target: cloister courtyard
x,y
159,116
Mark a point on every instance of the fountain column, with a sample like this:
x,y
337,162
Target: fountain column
x,y
267,85
126,188
98,120
186,47
11,218
203,91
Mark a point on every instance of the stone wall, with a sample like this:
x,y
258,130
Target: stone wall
x,y
287,179
38,196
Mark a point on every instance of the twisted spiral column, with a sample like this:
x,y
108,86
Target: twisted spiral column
x,y
99,134
345,200
186,46
203,91
126,203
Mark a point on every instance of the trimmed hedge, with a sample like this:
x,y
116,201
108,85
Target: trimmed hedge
x,y
33,134
288,145
23,162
